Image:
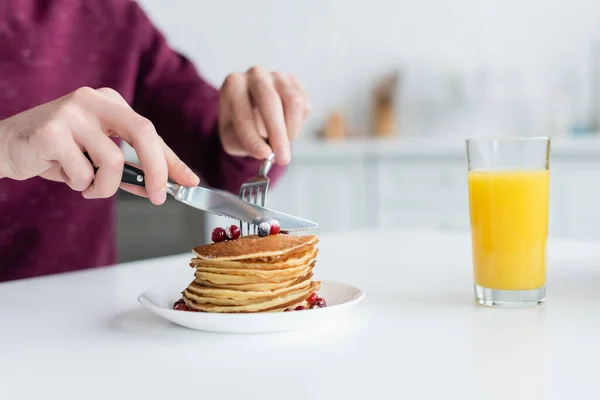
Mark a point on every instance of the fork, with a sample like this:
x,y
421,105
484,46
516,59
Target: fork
x,y
255,190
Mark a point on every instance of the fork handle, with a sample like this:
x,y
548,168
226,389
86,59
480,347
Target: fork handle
x,y
266,165
132,175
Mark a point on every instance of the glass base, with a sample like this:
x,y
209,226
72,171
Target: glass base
x,y
509,298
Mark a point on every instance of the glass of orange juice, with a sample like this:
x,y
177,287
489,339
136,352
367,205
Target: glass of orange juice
x,y
509,182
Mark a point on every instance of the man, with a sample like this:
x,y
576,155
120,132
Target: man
x,y
79,76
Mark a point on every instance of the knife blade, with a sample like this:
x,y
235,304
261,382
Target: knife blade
x,y
218,202
225,204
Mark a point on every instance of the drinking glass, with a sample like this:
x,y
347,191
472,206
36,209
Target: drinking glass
x,y
509,182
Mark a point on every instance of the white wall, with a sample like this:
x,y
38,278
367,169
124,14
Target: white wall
x,y
337,48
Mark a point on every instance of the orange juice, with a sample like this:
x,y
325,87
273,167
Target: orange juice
x,y
509,228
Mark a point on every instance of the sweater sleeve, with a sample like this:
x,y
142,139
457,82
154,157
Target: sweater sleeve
x,y
184,109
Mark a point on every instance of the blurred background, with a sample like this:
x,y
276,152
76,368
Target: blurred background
x,y
395,87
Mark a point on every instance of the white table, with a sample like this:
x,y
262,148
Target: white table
x,y
417,334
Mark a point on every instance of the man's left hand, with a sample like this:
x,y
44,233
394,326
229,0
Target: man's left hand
x,y
261,112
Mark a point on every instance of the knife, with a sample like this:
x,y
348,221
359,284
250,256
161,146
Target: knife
x,y
225,204
218,202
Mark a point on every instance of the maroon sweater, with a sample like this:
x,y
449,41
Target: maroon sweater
x,y
49,48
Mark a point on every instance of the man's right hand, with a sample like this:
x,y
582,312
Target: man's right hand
x,y
49,141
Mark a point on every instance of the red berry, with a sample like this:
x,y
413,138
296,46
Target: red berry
x,y
219,235
180,301
299,308
287,309
181,307
275,227
314,306
320,302
233,232
312,298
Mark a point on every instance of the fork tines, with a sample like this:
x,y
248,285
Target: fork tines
x,y
256,193
255,190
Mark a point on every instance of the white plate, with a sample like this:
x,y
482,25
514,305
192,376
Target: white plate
x,y
339,297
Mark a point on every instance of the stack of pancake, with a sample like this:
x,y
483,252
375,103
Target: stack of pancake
x,y
253,274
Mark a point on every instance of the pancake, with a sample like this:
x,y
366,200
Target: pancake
x,y
264,264
248,247
253,274
263,273
230,297
237,279
294,256
276,303
263,286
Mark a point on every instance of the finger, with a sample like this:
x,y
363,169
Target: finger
x,y
260,124
53,174
75,170
65,159
293,104
135,130
298,86
113,95
109,159
266,98
229,140
148,148
178,170
235,108
133,189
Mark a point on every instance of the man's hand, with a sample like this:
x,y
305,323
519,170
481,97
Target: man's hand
x,y
258,106
49,141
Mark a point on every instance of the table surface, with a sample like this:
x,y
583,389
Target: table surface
x,y
417,334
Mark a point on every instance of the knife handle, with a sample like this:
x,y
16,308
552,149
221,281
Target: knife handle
x,y
132,175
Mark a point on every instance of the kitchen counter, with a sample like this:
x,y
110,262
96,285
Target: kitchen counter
x,y
412,146
417,334
425,147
